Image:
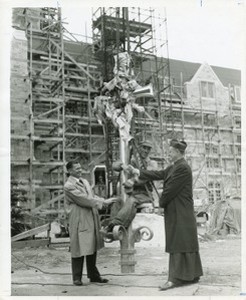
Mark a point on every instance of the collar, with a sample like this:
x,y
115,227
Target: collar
x,y
73,179
178,160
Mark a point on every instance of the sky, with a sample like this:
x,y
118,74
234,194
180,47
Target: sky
x,y
211,33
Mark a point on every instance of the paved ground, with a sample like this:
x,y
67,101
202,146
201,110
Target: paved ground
x,y
46,272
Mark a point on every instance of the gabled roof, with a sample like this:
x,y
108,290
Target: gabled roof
x,y
226,75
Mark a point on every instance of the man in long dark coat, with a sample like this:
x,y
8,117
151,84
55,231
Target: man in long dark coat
x,y
180,222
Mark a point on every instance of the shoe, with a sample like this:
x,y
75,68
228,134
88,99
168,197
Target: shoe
x,y
77,282
195,280
168,285
99,280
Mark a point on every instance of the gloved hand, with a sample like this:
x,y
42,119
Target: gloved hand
x,y
117,166
129,169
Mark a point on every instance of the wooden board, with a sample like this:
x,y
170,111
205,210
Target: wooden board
x,y
30,243
31,232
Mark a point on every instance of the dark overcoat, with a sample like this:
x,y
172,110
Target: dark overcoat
x,y
177,201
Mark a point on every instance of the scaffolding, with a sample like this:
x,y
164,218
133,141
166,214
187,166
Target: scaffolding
x,y
64,78
61,91
133,30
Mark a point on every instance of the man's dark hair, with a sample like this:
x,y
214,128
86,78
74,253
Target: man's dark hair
x,y
70,165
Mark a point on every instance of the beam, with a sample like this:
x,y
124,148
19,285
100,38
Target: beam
x,y
44,205
74,61
31,232
30,243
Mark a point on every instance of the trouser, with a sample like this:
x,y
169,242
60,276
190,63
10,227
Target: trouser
x,y
123,213
77,267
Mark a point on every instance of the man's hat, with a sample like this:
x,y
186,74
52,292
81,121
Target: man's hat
x,y
146,143
180,145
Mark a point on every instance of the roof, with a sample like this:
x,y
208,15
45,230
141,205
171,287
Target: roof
x,y
226,75
188,69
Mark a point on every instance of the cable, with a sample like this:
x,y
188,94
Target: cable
x,y
30,266
116,275
119,285
106,274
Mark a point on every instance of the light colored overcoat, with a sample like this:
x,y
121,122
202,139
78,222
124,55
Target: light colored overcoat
x,y
84,224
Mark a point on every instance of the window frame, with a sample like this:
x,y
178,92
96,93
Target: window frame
x,y
207,96
214,191
236,96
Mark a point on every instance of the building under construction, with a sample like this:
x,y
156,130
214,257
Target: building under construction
x,y
54,82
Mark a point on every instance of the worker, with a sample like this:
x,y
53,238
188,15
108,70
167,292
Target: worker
x,y
124,212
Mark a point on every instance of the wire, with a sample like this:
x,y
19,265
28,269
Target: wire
x,y
34,267
116,275
111,284
106,274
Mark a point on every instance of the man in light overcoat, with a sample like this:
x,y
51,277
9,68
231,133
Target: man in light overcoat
x,y
84,224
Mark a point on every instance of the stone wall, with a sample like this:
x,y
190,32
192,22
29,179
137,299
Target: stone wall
x,y
19,92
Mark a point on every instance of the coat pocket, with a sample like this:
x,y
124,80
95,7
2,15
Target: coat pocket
x,y
86,223
83,226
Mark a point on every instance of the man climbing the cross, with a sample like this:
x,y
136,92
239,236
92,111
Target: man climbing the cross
x,y
122,213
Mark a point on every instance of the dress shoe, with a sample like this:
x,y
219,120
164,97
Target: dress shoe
x,y
168,285
77,282
99,280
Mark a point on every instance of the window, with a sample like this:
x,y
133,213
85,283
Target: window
x,y
209,163
224,164
215,149
209,120
214,192
239,165
237,122
210,197
207,89
235,92
238,139
216,163
207,148
213,163
231,149
238,150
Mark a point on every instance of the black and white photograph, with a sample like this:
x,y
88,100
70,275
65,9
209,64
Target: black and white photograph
x,y
122,149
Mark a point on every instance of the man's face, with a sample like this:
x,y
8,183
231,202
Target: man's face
x,y
144,151
76,171
173,154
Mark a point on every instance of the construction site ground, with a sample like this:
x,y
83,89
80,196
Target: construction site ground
x,y
47,271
